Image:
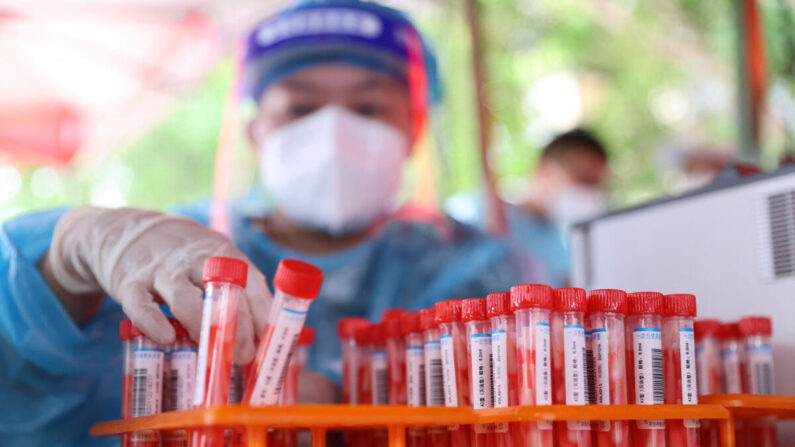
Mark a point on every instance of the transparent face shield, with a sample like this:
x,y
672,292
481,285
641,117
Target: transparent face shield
x,y
237,176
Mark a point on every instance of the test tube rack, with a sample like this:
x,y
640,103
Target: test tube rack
x,y
318,419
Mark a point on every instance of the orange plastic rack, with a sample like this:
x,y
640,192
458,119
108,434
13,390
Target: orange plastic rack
x,y
320,418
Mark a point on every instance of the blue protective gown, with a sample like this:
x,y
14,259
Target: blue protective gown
x,y
57,379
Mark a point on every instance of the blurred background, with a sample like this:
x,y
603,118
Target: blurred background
x,y
120,102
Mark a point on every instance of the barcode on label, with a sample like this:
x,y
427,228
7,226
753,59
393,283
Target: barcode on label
x,y
172,390
760,369
657,376
436,385
590,388
381,387
140,392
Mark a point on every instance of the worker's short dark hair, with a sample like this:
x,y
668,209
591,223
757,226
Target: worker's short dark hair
x,y
573,141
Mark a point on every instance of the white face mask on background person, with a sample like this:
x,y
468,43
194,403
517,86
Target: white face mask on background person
x,y
576,203
333,170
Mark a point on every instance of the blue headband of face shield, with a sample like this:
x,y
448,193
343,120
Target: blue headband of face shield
x,y
351,32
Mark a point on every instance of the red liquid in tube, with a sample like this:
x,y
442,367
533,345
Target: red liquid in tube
x,y
395,355
569,374
504,364
608,308
645,363
351,361
709,370
415,372
531,304
731,363
125,335
679,358
455,364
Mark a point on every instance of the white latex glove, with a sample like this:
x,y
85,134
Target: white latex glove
x,y
141,257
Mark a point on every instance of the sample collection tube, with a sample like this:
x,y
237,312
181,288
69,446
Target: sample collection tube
x,y
415,372
289,437
478,330
758,374
224,279
730,359
569,374
531,304
296,284
125,335
364,388
504,368
708,369
147,385
455,364
179,381
608,308
434,374
679,360
645,363
379,366
395,355
351,363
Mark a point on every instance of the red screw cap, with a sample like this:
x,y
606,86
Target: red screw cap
x,y
427,319
607,300
307,336
755,326
645,303
570,299
125,330
391,324
347,327
498,304
530,296
447,311
706,328
410,323
135,332
222,269
473,309
297,278
729,331
179,330
680,305
362,335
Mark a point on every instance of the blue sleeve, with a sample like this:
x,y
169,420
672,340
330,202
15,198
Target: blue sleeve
x,y
58,378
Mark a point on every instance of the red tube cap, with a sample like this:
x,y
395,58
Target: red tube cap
x,y
680,305
362,335
297,278
428,319
125,330
391,324
571,299
645,303
755,326
607,300
135,332
729,331
347,327
529,296
179,329
706,328
447,311
473,309
410,323
218,268
498,304
307,336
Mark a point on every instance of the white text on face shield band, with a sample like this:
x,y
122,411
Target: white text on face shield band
x,y
333,170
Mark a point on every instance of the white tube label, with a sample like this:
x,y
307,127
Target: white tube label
x,y
449,372
180,379
687,364
415,376
379,377
647,346
760,369
499,351
286,329
574,360
601,354
480,368
434,380
543,368
147,382
730,361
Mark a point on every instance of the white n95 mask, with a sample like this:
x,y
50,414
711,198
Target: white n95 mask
x,y
333,170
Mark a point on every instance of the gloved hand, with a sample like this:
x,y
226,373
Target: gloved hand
x,y
140,257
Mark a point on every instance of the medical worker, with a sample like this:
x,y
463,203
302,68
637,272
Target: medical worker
x,y
333,83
